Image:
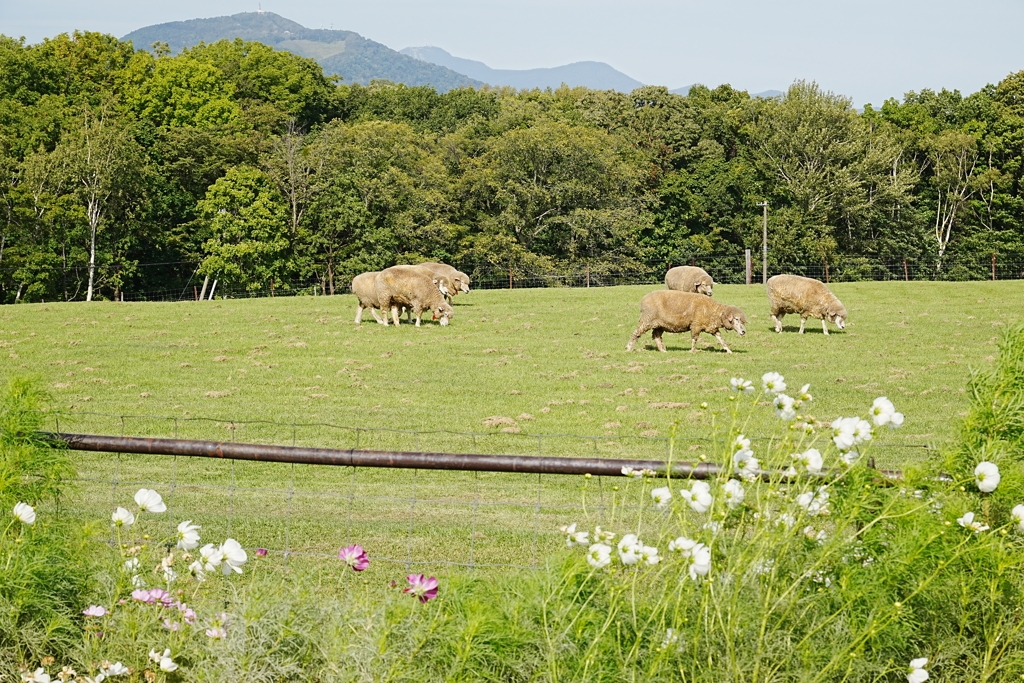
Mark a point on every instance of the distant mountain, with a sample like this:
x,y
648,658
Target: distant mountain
x,y
595,75
348,54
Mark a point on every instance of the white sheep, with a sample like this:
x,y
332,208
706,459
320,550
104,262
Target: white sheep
x,y
689,279
458,278
364,286
414,288
667,310
807,297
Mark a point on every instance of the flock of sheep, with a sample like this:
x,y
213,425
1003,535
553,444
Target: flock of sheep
x,y
686,305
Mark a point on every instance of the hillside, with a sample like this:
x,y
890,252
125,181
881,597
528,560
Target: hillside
x,y
348,54
596,75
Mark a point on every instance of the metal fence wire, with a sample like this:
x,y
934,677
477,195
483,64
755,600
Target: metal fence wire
x,y
457,515
178,281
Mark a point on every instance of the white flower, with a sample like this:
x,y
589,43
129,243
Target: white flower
x,y
25,513
122,517
967,522
749,468
785,406
773,383
115,669
849,457
787,519
743,386
810,460
682,545
671,638
917,673
734,493
862,431
649,555
698,495
573,537
164,660
131,564
600,535
804,394
212,557
815,502
813,535
883,412
629,549
986,474
700,561
1018,516
842,432
599,555
149,500
742,442
198,570
662,496
234,557
169,574
188,535
40,675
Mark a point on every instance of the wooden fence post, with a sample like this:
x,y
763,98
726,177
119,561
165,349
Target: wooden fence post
x,y
906,276
749,266
510,278
993,265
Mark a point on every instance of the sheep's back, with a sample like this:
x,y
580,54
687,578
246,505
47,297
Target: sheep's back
x,y
364,286
677,311
796,294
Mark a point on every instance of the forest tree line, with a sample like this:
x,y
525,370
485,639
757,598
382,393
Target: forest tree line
x,y
239,162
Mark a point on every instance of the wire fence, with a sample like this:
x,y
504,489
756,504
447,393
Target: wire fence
x,y
181,283
430,520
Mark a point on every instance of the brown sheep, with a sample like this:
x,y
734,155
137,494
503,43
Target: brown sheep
x,y
667,310
414,288
364,286
808,298
689,279
458,278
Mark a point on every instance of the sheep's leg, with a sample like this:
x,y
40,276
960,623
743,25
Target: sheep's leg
x,y
376,316
640,329
777,318
418,311
803,321
693,342
359,314
394,314
824,326
658,331
718,336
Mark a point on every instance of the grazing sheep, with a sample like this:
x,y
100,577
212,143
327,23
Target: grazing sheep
x,y
460,279
364,286
414,288
689,279
807,297
667,310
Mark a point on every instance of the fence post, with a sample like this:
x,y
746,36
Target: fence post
x,y
588,276
826,271
993,265
906,276
749,266
271,286
195,292
510,278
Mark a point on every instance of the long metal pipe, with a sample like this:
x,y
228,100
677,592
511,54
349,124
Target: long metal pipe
x,y
472,462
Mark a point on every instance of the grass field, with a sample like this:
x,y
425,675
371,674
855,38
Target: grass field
x,y
551,360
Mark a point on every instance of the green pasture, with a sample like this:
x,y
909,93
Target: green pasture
x,y
551,361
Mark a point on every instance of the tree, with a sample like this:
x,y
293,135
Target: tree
x,y
174,92
100,164
247,227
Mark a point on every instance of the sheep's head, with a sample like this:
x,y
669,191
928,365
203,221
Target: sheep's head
x,y
705,286
736,320
837,314
444,312
442,285
462,282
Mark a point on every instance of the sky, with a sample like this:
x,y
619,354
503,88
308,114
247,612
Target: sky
x,y
869,50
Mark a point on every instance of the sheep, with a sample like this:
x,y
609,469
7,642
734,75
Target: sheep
x,y
807,297
667,310
413,287
689,279
460,279
364,286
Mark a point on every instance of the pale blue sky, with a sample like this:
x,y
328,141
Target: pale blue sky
x,y
868,50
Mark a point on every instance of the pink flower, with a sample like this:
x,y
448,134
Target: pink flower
x,y
421,587
172,625
153,596
216,632
95,611
355,557
261,552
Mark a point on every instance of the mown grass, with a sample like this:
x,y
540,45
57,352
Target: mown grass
x,y
552,360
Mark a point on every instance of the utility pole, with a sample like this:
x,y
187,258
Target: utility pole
x,y
764,244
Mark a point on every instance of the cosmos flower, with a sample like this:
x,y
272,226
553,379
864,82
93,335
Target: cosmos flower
x,y
25,513
421,587
355,557
149,500
986,474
